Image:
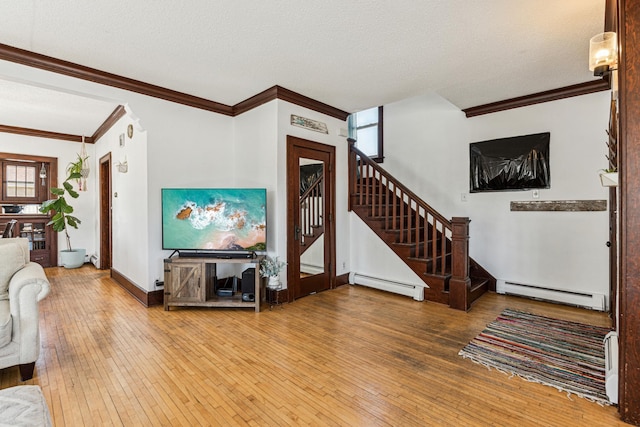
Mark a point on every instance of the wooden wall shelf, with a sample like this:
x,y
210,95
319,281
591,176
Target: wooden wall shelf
x,y
560,206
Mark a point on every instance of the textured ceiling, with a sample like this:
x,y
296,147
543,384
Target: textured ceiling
x,y
348,54
28,106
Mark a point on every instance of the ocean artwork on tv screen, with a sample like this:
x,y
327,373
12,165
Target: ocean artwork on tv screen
x,y
214,219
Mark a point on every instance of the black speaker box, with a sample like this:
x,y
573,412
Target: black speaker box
x,y
248,283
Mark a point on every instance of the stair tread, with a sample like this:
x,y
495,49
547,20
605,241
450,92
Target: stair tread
x,y
478,282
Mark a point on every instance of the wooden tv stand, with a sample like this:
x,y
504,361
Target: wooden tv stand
x,y
190,282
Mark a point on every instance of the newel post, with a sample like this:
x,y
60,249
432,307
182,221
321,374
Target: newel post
x,y
352,169
460,283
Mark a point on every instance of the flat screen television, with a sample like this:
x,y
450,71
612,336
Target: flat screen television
x,y
214,220
509,164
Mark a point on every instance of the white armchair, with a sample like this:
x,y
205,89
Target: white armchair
x,y
22,285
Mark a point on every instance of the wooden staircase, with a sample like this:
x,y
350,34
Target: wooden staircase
x,y
311,208
435,248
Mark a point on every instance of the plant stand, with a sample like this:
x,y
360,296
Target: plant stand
x,y
277,296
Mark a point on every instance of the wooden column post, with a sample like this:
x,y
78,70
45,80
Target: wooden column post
x,y
460,283
629,164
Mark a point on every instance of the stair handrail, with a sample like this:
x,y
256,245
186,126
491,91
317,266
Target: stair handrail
x,y
452,234
316,183
367,160
313,215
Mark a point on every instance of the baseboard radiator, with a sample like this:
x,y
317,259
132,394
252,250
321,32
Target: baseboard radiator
x,y
593,301
611,365
414,291
311,268
94,260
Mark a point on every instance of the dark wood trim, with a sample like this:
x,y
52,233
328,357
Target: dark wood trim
x,y
256,101
155,298
52,181
44,134
629,164
342,279
540,97
297,148
310,103
48,63
113,118
380,157
278,92
106,234
104,127
146,298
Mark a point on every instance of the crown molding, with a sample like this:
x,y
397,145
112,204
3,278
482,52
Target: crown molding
x,y
310,103
45,134
48,63
540,97
59,66
279,92
118,113
102,129
256,101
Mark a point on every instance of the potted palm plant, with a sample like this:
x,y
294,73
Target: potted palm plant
x,y
62,210
271,268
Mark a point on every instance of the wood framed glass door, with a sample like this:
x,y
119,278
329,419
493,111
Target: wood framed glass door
x,y
310,213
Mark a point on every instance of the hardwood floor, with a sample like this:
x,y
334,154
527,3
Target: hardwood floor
x,y
351,357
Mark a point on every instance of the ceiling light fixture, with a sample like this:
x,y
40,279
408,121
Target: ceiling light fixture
x,y
603,53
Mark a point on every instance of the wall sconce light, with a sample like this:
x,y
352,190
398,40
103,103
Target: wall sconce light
x,y
43,174
603,53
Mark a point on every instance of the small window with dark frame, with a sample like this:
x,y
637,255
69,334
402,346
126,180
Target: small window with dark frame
x,y
366,128
20,181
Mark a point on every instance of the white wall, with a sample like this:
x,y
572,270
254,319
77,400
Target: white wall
x,y
285,109
188,147
427,148
65,152
129,213
255,157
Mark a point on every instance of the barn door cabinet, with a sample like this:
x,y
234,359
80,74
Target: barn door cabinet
x,y
190,282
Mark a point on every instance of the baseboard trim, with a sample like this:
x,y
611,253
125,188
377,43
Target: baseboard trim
x,y
145,298
342,279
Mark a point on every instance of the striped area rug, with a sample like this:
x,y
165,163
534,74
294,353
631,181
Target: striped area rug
x,y
566,355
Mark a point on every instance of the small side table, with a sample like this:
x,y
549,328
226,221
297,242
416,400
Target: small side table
x,y
277,296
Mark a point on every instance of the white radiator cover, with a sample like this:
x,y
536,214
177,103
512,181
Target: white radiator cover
x,y
594,301
611,365
414,291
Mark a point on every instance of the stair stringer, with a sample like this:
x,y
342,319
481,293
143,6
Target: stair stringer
x,y
433,287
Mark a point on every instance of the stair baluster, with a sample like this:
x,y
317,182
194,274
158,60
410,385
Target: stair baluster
x,y
435,248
